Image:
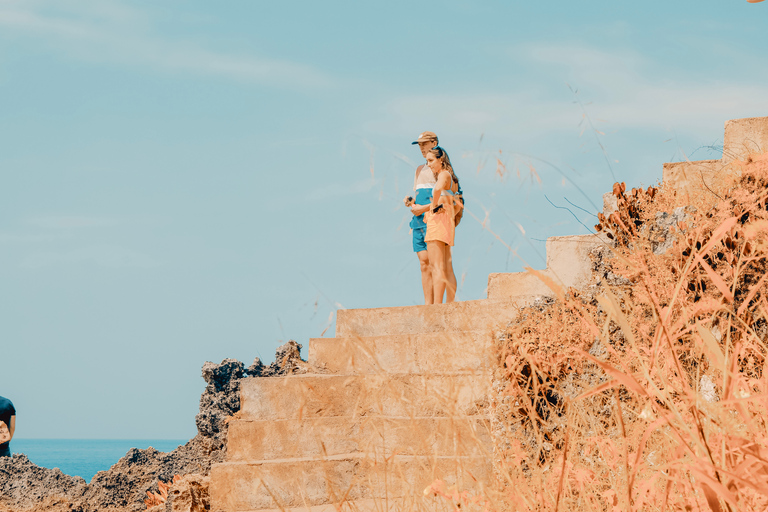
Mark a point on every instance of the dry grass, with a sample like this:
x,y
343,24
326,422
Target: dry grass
x,y
652,394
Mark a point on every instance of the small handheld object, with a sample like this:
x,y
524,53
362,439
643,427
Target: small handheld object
x,y
437,208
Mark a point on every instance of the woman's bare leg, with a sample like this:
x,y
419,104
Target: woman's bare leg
x,y
426,277
436,254
450,291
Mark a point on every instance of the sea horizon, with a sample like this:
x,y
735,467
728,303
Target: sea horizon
x,y
84,457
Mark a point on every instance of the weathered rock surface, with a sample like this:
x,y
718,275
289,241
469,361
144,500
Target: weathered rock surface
x,y
126,483
220,400
663,232
190,494
24,486
287,361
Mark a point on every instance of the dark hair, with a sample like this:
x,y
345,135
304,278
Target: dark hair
x,y
441,155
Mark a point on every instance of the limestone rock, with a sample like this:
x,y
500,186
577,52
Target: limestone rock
x,y
707,389
220,399
287,361
24,484
255,369
663,231
190,494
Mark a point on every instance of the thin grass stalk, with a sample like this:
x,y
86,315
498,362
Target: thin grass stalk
x,y
562,471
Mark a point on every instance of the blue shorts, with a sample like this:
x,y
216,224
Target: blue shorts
x,y
418,239
5,451
419,227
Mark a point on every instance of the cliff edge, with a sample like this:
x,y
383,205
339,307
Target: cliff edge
x,y
25,486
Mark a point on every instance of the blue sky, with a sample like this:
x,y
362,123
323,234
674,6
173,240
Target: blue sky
x,y
190,181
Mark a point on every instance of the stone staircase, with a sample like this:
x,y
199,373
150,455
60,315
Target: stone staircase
x,y
399,397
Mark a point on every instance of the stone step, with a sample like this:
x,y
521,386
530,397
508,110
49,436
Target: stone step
x,y
473,315
403,353
245,486
696,182
568,258
743,137
323,395
568,265
407,504
510,284
249,440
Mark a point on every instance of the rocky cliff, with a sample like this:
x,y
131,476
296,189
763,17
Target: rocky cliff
x,y
25,486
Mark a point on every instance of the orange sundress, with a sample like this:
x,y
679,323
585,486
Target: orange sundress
x,y
440,225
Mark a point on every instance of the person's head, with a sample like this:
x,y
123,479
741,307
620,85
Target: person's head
x,y
438,160
426,141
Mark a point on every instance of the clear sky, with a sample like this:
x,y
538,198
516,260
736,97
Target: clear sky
x,y
191,181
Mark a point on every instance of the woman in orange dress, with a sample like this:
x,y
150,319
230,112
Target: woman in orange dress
x,y
440,223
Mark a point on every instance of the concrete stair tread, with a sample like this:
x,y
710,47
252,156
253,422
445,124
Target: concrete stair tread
x,y
331,436
464,417
420,353
388,375
410,504
247,486
313,395
508,284
481,314
397,457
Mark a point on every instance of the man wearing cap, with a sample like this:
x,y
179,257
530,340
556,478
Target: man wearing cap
x,y
423,183
8,426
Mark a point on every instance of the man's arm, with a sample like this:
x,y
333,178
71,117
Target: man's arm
x,y
5,436
13,425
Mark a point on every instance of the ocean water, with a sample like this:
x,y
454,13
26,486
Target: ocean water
x,y
85,457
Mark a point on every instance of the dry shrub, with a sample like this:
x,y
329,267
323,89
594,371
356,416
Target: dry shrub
x,y
160,497
649,394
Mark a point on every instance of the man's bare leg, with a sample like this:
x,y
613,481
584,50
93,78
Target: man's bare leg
x,y
450,290
426,277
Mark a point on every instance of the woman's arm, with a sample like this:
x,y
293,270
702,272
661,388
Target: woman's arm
x,y
443,183
459,211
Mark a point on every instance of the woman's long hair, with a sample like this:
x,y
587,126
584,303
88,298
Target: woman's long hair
x,y
441,155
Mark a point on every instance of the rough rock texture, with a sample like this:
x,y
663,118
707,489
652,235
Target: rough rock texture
x,y
126,483
25,486
287,361
220,400
190,494
663,231
50,504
